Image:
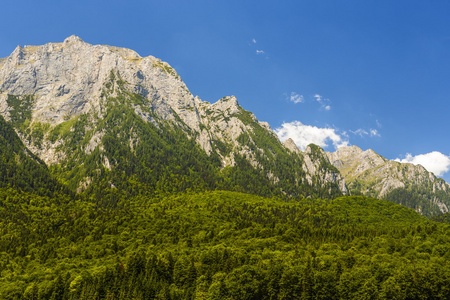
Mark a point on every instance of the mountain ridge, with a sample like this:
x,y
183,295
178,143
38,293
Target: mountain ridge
x,y
86,110
74,91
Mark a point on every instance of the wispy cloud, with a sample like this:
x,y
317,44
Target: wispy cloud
x,y
324,102
303,135
374,132
435,162
259,52
296,98
362,132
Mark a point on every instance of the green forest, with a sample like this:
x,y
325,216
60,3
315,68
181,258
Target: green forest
x,y
220,245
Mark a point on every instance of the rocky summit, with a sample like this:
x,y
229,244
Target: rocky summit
x,y
105,118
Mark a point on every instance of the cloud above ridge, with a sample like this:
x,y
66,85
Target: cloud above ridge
x,y
435,161
303,135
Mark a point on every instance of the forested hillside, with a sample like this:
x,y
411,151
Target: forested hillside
x,y
220,245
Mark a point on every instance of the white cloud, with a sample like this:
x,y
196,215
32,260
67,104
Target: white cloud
x,y
259,52
374,132
324,102
318,98
435,162
296,98
303,135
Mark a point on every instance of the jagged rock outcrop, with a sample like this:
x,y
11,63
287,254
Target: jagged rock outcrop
x,y
317,165
291,146
371,174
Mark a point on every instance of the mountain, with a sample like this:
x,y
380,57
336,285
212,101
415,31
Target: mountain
x,y
105,119
370,174
109,123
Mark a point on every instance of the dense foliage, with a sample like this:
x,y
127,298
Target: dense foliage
x,y
443,218
419,198
20,112
220,245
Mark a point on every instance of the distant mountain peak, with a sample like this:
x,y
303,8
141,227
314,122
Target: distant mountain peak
x,y
371,174
290,144
348,151
72,39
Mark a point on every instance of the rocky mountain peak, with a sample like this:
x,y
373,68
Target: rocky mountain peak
x,y
290,144
69,79
348,157
348,151
228,103
72,39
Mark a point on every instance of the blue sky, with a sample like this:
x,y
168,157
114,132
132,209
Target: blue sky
x,y
369,73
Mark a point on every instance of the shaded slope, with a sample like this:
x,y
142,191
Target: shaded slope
x,y
20,168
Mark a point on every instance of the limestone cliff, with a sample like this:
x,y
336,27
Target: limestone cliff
x,y
317,165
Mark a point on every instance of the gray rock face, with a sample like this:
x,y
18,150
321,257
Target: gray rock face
x,y
68,79
221,122
291,146
313,166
